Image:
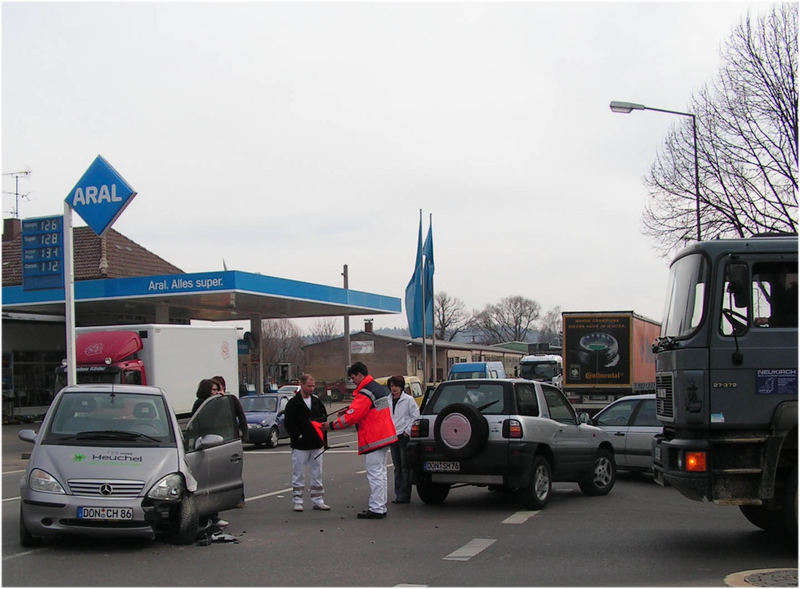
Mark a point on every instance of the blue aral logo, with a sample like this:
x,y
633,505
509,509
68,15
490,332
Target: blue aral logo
x,y
100,195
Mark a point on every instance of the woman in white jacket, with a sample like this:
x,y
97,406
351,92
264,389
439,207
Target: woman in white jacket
x,y
404,412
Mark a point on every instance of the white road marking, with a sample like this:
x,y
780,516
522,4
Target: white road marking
x,y
520,517
18,554
470,549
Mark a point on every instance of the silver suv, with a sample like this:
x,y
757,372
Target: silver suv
x,y
506,434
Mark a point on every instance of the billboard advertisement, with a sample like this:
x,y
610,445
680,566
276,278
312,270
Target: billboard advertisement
x,y
597,350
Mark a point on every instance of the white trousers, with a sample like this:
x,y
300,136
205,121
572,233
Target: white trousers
x,y
376,477
303,460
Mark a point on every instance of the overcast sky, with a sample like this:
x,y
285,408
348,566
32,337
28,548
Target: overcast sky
x,y
291,138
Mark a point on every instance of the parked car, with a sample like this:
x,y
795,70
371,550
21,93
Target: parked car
x,y
506,434
289,388
413,387
264,415
631,422
110,460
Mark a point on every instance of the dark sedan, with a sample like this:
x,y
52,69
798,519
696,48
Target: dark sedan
x,y
265,417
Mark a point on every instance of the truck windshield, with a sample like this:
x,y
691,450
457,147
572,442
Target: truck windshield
x,y
686,294
538,370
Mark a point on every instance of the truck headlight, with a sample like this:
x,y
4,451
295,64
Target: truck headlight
x,y
45,482
170,488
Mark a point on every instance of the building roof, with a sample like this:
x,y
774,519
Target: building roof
x,y
110,256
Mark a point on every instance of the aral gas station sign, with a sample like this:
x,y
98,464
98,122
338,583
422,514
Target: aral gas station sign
x,y
100,196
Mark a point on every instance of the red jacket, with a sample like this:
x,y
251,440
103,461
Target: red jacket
x,y
371,413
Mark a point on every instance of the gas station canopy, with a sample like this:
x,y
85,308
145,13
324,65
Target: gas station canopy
x,y
212,296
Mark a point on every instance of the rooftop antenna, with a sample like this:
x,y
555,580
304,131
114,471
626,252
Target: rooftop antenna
x,y
16,193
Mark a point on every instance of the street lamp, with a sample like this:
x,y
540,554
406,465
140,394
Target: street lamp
x,y
619,106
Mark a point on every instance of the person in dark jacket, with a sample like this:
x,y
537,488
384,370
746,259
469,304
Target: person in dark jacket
x,y
308,443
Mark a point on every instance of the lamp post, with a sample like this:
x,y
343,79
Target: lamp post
x,y
626,107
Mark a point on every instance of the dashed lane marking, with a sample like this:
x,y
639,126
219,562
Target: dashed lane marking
x,y
520,517
470,549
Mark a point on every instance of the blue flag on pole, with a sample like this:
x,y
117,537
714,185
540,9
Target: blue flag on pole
x,y
414,291
427,251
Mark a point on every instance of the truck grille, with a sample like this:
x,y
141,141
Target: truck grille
x,y
101,488
665,406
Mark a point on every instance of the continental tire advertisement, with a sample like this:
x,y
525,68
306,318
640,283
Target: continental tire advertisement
x,y
597,350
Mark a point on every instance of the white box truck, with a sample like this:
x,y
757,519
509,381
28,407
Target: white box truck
x,y
173,357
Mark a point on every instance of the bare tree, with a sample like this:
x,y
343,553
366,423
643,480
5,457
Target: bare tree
x,y
450,316
283,344
746,141
509,320
550,326
323,330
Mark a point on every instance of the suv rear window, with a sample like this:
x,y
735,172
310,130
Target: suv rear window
x,y
488,398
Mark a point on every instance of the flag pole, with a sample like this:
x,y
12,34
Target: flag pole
x,y
433,307
422,310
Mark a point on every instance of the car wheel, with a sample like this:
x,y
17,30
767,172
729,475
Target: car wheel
x,y
538,492
188,523
272,437
761,517
27,539
604,473
460,430
433,493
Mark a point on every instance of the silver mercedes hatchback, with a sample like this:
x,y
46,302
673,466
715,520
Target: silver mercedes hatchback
x,y
111,460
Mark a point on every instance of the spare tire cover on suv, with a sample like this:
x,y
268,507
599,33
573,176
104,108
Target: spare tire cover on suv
x,y
460,430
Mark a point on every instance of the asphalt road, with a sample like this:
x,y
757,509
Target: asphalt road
x,y
639,535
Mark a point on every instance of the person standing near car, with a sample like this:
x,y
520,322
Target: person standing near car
x,y
404,412
307,443
241,418
371,414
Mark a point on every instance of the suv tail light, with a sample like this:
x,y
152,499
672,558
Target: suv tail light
x,y
695,462
512,428
419,429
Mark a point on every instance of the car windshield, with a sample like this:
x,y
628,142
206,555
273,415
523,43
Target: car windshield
x,y
259,403
117,419
488,398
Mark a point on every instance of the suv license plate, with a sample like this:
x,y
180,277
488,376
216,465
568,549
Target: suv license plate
x,y
104,513
441,466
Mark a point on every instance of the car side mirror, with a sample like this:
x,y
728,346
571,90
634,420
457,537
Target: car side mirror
x,y
208,441
584,418
27,435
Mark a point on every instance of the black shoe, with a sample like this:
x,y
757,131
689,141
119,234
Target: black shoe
x,y
402,501
369,514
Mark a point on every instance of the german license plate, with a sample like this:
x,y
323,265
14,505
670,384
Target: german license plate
x,y
103,513
441,466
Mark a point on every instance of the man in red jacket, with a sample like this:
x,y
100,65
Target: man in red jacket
x,y
371,413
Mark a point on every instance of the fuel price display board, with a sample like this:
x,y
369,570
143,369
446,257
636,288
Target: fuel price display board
x,y
42,253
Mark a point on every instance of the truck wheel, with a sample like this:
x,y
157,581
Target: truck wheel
x,y
188,523
604,473
461,430
761,517
433,493
790,505
272,438
27,539
538,492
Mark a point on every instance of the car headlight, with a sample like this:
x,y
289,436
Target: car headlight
x,y
45,482
265,423
170,488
